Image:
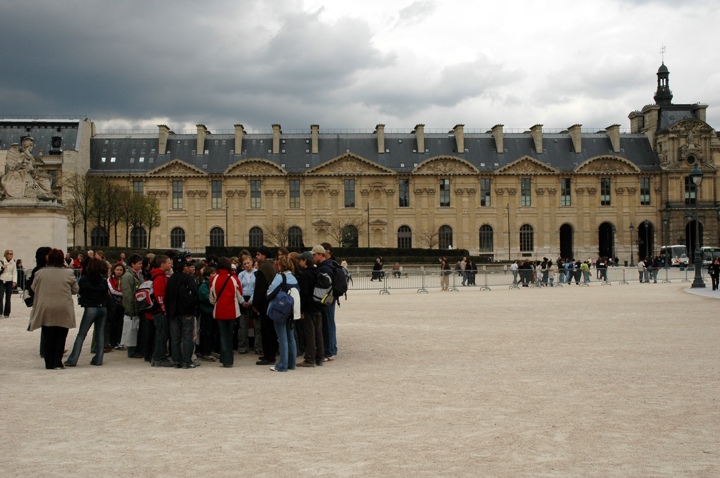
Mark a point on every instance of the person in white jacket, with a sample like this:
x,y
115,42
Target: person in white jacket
x,y
8,281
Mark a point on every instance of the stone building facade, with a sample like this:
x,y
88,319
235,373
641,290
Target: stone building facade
x,y
500,194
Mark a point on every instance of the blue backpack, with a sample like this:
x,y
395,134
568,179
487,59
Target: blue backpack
x,y
281,308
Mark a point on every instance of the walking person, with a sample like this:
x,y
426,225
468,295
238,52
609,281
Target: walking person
x,y
53,309
93,297
8,281
225,294
714,271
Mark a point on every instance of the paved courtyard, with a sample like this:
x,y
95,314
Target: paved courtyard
x,y
618,381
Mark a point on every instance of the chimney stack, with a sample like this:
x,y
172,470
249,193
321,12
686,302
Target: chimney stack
x,y
163,133
536,132
575,134
380,131
239,132
314,132
497,132
459,131
276,138
201,132
420,135
613,133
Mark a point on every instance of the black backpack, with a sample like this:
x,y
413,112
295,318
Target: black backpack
x,y
339,280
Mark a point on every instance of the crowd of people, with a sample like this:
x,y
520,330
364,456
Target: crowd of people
x,y
174,311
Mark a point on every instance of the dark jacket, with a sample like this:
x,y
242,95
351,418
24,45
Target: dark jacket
x,y
181,295
306,281
93,291
264,277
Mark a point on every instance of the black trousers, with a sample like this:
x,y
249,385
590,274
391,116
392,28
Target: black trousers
x,y
269,338
53,340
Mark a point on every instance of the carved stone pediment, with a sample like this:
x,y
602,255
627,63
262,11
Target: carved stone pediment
x,y
176,168
321,223
607,165
378,222
527,166
349,165
446,166
253,168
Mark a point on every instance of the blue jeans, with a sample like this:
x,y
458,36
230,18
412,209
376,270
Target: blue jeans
x,y
225,328
161,337
182,331
329,336
98,316
287,346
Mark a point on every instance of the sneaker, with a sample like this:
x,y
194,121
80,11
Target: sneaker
x,y
216,355
68,364
191,365
206,358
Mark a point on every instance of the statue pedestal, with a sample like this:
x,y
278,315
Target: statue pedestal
x,y
27,224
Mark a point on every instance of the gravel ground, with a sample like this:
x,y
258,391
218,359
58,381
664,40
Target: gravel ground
x,y
617,381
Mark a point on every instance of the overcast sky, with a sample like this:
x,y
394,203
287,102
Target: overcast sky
x,y
353,64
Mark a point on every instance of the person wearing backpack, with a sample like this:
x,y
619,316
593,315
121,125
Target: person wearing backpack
x,y
225,294
322,257
181,301
285,280
311,312
130,282
265,275
157,314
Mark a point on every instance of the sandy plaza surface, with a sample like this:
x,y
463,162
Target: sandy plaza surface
x,y
618,381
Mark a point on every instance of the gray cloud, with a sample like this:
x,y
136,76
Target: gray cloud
x,y
416,12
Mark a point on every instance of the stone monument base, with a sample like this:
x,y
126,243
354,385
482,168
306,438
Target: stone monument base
x,y
26,225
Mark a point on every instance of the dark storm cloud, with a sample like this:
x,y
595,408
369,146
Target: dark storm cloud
x,y
185,60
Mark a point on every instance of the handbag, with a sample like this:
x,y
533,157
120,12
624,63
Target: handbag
x,y
28,301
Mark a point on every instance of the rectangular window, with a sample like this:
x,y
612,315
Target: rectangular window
x,y
604,191
444,193
349,193
644,191
690,191
485,192
404,193
216,200
138,187
177,194
565,194
294,193
525,195
255,194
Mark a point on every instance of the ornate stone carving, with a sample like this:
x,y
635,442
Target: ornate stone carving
x,y
499,191
512,191
280,192
580,190
334,192
230,193
631,190
254,169
390,192
552,191
191,193
22,180
308,192
269,192
604,166
471,191
364,192
539,191
459,191
444,166
620,190
592,191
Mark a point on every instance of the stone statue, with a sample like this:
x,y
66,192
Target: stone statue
x,y
21,179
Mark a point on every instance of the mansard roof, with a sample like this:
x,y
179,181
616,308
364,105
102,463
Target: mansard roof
x,y
42,132
400,155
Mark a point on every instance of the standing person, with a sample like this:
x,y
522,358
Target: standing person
x,y
247,281
264,277
181,301
129,283
585,269
286,335
463,270
327,264
53,309
444,274
158,314
93,297
377,272
225,294
8,281
115,307
20,274
514,269
208,326
41,258
714,271
641,270
311,312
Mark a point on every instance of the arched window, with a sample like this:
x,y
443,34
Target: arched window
x,y
350,236
404,237
295,238
138,238
486,238
217,237
445,237
526,238
256,237
99,237
177,238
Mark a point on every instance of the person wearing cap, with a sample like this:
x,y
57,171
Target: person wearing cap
x,y
322,257
264,277
181,301
311,313
159,353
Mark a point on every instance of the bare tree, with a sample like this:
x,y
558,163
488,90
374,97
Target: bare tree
x,y
80,191
151,215
74,217
131,208
428,238
343,229
278,232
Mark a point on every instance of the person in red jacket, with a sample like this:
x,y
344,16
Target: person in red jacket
x,y
225,294
158,315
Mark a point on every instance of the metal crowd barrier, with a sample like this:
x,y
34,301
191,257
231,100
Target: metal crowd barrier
x,y
487,278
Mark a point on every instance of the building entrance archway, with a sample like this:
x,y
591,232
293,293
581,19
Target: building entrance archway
x,y
606,248
566,241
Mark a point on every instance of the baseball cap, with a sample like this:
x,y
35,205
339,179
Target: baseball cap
x,y
318,249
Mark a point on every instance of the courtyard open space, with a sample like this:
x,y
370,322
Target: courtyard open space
x,y
618,381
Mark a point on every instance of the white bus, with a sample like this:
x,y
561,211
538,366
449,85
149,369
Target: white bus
x,y
709,254
675,255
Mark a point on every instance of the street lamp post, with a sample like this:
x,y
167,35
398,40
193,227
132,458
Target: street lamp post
x,y
632,259
696,175
648,253
612,252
